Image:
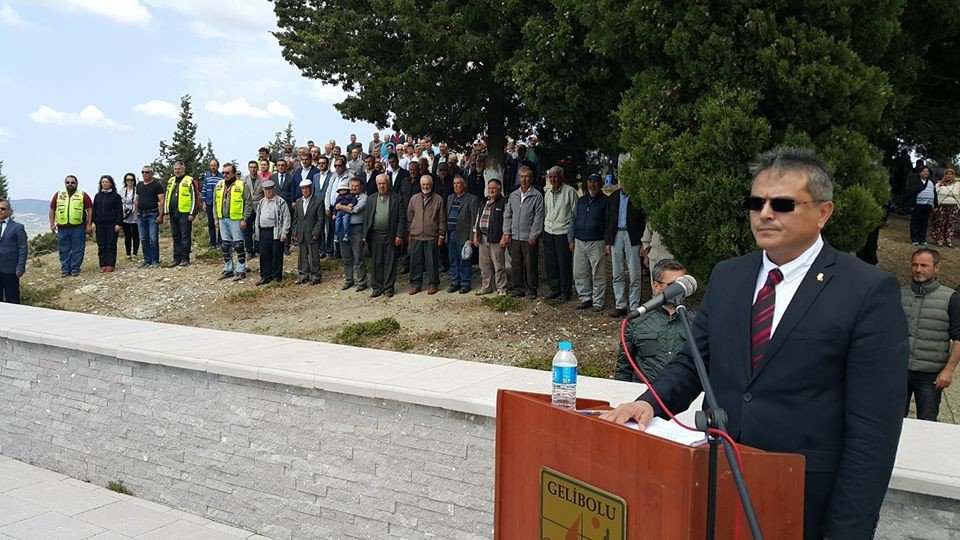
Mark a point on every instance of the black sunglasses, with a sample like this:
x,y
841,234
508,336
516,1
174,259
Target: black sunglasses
x,y
777,204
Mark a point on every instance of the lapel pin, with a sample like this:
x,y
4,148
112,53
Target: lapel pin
x,y
820,277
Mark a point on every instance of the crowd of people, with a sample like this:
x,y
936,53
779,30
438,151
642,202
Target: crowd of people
x,y
411,207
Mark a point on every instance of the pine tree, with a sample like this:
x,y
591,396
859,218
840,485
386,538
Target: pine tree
x,y
183,148
288,137
208,154
4,188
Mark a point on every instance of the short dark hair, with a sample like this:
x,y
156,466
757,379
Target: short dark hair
x,y
802,160
933,253
496,181
253,162
393,155
9,204
323,158
263,149
340,158
665,265
233,168
113,185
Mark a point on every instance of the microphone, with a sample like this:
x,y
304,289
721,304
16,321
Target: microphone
x,y
683,287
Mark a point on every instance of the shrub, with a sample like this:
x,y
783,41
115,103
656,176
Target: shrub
x,y
43,244
357,333
502,304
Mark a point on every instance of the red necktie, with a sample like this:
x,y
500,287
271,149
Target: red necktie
x,y
762,317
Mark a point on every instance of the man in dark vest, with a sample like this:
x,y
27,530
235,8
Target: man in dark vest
x,y
933,316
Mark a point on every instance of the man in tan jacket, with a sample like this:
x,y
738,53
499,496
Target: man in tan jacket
x,y
425,226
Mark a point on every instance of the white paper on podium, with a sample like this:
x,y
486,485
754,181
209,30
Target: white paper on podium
x,y
666,429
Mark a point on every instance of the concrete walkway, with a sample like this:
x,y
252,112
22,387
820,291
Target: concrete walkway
x,y
37,504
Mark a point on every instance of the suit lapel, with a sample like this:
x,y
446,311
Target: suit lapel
x,y
746,284
813,283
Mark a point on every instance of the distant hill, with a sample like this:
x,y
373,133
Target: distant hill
x,y
31,206
33,214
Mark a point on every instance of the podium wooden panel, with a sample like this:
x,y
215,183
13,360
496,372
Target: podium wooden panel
x,y
664,483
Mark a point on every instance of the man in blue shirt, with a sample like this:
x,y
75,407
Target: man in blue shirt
x,y
209,183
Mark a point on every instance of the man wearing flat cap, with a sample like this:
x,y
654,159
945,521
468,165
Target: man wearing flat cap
x,y
307,231
272,228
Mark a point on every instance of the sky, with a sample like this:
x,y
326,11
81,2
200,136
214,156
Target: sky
x,y
90,87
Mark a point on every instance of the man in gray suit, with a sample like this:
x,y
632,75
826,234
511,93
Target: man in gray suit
x,y
13,254
307,231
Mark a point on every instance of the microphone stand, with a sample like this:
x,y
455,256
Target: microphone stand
x,y
713,417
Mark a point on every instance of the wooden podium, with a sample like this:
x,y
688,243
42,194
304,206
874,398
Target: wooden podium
x,y
663,484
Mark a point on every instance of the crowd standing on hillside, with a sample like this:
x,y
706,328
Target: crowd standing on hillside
x,y
412,207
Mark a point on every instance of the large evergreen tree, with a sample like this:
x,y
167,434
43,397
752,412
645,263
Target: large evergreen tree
x,y
183,147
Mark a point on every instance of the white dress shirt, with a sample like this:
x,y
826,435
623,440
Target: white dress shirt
x,y
793,274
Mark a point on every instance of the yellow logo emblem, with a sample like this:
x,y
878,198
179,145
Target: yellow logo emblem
x,y
573,510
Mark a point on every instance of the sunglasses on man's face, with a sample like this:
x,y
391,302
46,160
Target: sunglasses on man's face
x,y
777,204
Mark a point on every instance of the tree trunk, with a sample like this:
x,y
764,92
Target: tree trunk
x,y
496,134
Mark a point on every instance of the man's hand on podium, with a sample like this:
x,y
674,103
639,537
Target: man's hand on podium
x,y
640,411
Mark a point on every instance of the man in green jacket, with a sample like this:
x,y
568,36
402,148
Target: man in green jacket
x,y
655,339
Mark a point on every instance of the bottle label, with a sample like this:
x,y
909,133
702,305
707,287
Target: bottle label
x,y
564,374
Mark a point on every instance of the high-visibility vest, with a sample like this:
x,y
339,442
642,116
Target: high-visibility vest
x,y
70,209
236,199
184,197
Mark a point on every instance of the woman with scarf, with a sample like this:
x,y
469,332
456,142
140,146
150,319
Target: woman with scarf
x,y
948,199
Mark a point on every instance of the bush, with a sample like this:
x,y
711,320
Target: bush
x,y
45,297
357,334
43,244
118,487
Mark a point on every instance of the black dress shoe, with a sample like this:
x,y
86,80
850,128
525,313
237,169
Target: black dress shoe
x,y
585,305
553,296
346,286
618,313
315,281
362,287
226,275
376,294
453,288
240,276
389,293
263,281
302,280
465,289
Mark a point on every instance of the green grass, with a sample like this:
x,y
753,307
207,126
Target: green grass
x,y
402,344
437,335
357,333
329,265
45,297
43,244
208,254
587,368
246,295
502,304
119,487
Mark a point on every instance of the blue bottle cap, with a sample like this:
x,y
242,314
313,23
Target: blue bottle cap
x,y
566,346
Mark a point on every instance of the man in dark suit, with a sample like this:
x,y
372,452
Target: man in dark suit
x,y
324,184
398,176
307,232
286,181
512,176
13,254
306,171
806,348
384,227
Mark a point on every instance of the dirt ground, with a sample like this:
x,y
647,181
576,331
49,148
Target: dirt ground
x,y
450,325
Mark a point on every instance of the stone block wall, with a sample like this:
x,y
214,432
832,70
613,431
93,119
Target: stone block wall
x,y
284,461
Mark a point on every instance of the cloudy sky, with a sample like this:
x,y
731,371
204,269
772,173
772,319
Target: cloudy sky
x,y
89,87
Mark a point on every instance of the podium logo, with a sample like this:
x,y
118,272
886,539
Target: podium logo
x,y
573,510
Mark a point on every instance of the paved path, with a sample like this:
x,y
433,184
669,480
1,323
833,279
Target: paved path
x,y
37,504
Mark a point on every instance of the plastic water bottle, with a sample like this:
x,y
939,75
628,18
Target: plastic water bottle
x,y
565,377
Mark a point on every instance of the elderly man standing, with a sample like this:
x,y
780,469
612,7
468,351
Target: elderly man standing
x,y
559,202
182,204
462,208
384,226
587,245
425,226
488,236
624,238
307,230
71,214
522,227
273,226
353,265
233,204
